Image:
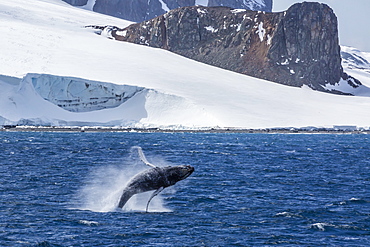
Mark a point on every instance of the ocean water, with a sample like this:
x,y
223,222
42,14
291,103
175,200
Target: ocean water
x,y
61,189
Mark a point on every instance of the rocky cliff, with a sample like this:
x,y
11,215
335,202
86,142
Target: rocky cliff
x,y
141,10
297,47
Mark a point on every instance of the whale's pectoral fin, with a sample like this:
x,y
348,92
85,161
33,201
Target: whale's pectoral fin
x,y
126,195
143,159
153,195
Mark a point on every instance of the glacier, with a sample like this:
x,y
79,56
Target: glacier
x,y
39,99
47,39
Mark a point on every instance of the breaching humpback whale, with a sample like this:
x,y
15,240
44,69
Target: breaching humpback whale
x,y
156,178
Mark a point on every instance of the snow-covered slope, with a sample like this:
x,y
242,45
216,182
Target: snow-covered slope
x,y
48,37
356,63
21,103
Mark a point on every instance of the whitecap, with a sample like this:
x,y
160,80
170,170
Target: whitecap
x,y
354,199
320,226
89,223
351,238
287,214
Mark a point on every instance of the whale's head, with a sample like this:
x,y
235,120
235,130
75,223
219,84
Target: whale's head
x,y
178,173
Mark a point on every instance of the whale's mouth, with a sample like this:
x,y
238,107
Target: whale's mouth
x,y
188,171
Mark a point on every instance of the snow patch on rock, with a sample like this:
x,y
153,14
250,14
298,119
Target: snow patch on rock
x,y
164,6
261,31
211,29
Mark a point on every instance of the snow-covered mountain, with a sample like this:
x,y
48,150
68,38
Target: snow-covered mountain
x,y
352,58
47,39
357,64
297,47
141,10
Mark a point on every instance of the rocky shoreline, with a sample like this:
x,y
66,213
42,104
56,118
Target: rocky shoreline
x,y
308,130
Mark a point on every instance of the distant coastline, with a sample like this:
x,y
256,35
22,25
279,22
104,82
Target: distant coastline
x,y
89,129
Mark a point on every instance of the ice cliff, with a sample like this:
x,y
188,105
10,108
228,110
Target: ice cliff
x,y
79,95
50,100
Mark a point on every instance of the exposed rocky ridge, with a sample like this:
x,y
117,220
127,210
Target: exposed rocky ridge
x,y
141,10
76,2
264,5
297,47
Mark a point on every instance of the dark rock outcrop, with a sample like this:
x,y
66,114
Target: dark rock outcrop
x,y
266,5
306,42
140,10
297,47
132,10
76,2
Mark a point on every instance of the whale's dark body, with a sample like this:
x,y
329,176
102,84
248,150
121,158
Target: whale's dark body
x,y
156,178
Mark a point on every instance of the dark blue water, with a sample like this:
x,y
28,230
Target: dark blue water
x,y
60,189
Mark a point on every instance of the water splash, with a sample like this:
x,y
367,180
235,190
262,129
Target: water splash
x,y
104,185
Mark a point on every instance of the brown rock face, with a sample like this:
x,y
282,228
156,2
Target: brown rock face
x,y
297,47
306,42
